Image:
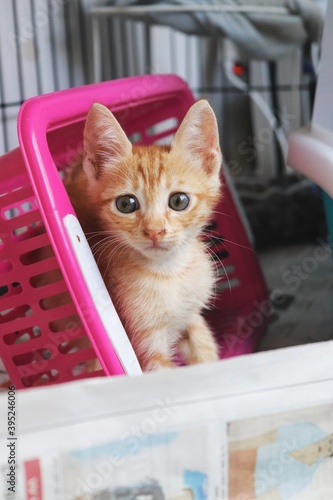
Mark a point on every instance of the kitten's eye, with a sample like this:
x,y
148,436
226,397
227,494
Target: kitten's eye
x,y
179,201
127,204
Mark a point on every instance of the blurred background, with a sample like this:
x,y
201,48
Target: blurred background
x,y
255,61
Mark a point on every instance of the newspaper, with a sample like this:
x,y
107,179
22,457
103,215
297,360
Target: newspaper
x,y
257,426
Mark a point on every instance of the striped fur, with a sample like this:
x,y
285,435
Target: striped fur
x,y
153,261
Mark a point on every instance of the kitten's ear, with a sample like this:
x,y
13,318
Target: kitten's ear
x,y
198,138
105,143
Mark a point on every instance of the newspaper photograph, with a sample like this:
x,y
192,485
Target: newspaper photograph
x,y
284,456
170,466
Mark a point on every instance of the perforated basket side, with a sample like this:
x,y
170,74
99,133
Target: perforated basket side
x,y
42,339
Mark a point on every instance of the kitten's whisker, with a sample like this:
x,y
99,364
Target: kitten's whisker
x,y
110,237
221,213
223,240
217,261
101,246
92,234
96,247
104,248
236,244
109,258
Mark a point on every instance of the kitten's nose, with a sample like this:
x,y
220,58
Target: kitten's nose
x,y
154,234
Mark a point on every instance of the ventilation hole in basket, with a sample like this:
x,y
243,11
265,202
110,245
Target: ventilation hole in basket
x,y
213,241
47,354
5,266
11,213
36,331
79,369
3,290
27,206
163,126
28,312
14,289
55,301
89,366
8,315
227,285
165,140
37,223
222,271
41,379
38,357
76,345
212,226
136,137
220,255
47,278
13,313
20,336
54,374
28,358
16,312
38,255
31,230
71,325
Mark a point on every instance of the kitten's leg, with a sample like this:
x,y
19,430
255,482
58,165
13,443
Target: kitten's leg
x,y
152,349
198,344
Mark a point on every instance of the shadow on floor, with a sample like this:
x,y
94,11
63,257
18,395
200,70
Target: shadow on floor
x,y
303,276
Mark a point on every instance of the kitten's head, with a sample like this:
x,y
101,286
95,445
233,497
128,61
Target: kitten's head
x,y
154,199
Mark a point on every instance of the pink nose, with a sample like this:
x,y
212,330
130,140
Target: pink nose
x,y
154,234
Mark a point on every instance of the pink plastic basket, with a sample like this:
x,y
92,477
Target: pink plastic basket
x,y
40,344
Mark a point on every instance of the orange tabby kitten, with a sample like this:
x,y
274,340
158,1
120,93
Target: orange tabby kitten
x,y
143,209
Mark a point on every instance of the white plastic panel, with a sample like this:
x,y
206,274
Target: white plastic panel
x,y
100,297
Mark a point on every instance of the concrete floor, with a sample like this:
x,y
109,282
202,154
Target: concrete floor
x,y
301,276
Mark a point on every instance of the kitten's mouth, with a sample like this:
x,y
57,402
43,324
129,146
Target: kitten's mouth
x,y
157,247
153,249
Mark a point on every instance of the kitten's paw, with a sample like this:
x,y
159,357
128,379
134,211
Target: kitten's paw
x,y
198,344
156,362
206,354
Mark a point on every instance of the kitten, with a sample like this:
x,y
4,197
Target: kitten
x,y
143,209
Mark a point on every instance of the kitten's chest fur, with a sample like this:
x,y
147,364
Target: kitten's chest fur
x,y
167,298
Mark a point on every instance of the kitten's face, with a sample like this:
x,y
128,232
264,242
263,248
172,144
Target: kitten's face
x,y
153,199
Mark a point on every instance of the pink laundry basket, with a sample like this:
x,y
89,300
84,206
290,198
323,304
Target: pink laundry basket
x,y
41,343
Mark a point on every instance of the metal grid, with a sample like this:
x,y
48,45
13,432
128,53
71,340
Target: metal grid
x,y
47,45
273,97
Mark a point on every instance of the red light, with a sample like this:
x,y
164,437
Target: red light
x,y
239,69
